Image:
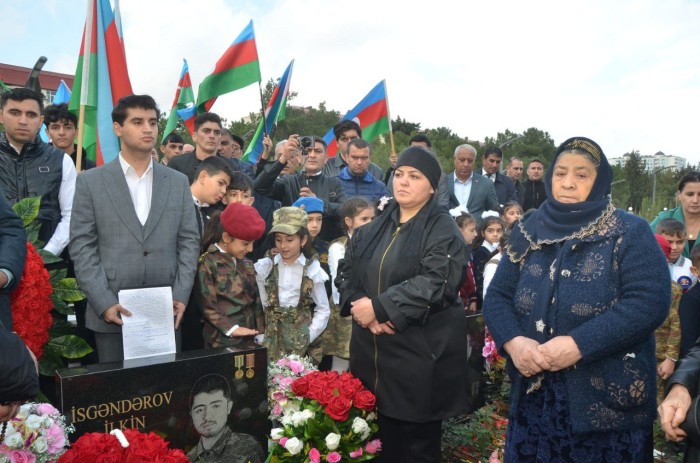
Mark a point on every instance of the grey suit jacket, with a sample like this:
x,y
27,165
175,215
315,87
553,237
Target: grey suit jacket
x,y
110,248
481,198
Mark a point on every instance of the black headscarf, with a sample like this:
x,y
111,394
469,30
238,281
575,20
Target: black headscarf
x,y
554,221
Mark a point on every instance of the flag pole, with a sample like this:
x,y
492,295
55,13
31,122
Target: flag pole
x,y
84,83
388,114
262,107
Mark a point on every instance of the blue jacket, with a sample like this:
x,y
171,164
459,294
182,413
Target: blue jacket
x,y
366,187
611,294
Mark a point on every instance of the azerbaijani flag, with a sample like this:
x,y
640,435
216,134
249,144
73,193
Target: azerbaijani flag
x,y
188,115
101,78
372,114
273,113
237,68
184,96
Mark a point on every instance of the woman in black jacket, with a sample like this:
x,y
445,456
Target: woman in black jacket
x,y
400,281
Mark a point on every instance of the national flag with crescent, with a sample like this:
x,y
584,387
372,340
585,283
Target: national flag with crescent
x,y
372,114
101,78
273,114
184,97
237,68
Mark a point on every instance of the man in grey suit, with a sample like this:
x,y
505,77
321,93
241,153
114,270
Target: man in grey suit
x,y
133,226
468,189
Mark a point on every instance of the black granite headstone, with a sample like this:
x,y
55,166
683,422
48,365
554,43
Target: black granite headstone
x,y
153,394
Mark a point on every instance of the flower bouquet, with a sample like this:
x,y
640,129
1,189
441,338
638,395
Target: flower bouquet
x,y
38,434
281,376
328,417
125,446
498,383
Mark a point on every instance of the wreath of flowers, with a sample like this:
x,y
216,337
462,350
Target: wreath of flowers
x,y
31,303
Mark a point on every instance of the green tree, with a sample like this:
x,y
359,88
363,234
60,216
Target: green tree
x,y
637,180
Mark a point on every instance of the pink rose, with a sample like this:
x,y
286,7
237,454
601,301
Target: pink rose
x,y
333,457
46,409
283,441
56,438
277,410
296,367
314,455
373,446
286,382
21,456
279,396
356,453
281,362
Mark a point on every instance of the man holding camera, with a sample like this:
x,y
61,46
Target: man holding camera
x,y
310,182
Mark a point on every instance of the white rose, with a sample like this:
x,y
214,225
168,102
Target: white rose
x,y
332,441
294,445
34,422
48,422
277,433
14,440
40,445
359,426
308,414
286,419
292,406
371,417
298,418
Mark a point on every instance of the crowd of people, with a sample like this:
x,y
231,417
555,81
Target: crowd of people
x,y
375,272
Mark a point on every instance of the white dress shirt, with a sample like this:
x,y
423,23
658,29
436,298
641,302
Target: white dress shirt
x,y
491,177
140,188
61,236
336,251
289,287
463,189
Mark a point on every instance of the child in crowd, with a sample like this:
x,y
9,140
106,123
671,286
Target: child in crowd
x,y
354,213
209,187
314,214
492,263
225,288
512,211
489,238
675,233
467,225
690,308
290,283
668,335
240,190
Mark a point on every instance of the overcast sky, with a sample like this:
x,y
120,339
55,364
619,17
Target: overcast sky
x,y
624,73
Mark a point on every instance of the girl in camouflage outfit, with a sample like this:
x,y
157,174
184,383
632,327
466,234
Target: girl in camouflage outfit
x,y
291,286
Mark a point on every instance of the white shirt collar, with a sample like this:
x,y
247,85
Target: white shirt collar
x,y
467,180
301,259
198,203
126,166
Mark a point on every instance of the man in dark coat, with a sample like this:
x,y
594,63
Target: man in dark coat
x,y
13,251
533,187
505,188
19,380
310,182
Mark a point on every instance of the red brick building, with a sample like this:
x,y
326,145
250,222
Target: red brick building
x,y
16,76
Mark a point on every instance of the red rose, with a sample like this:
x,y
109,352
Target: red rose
x,y
338,408
109,458
316,387
365,400
325,396
350,388
300,387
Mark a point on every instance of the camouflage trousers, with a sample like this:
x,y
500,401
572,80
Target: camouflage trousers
x,y
336,338
286,332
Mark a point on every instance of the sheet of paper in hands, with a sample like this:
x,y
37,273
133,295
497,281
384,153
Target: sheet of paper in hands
x,y
151,328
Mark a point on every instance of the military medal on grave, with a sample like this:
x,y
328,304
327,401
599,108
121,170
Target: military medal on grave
x,y
249,364
238,362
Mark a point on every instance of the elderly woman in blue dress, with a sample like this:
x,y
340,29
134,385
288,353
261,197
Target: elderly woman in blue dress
x,y
574,307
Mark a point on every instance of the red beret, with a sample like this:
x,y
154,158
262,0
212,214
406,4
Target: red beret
x,y
664,244
242,222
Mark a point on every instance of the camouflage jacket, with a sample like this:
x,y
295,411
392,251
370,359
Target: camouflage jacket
x,y
227,295
668,335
